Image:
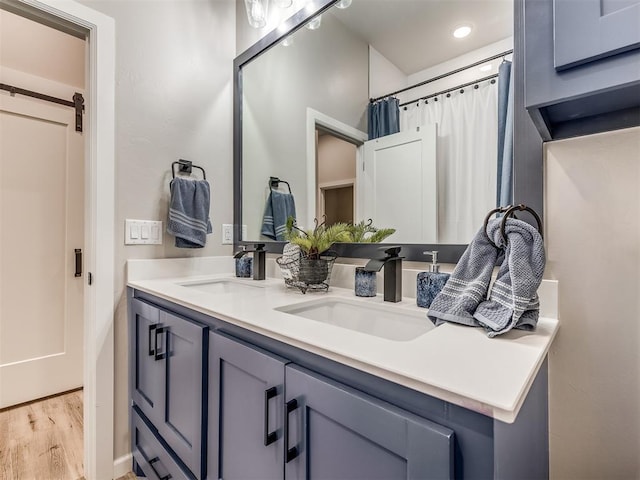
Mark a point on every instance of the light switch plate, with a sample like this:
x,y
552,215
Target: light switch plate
x,y
227,234
142,232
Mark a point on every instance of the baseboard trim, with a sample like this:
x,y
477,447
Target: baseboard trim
x,y
122,465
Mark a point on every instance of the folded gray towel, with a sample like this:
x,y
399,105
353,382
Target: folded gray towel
x,y
513,302
189,212
278,208
467,287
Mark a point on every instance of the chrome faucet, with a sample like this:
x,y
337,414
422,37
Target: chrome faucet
x,y
392,264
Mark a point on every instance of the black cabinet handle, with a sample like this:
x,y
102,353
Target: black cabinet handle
x,y
78,252
157,355
152,350
293,451
269,437
151,462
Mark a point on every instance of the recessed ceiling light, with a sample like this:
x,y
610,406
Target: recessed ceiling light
x,y
485,68
462,31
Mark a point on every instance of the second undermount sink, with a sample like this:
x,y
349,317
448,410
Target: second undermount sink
x,y
224,285
384,321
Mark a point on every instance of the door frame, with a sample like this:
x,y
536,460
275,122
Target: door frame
x,y
99,220
339,129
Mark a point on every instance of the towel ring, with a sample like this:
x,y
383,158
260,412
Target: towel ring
x,y
509,211
186,166
274,182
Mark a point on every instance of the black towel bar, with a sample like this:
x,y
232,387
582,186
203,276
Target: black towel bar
x,y
509,211
185,166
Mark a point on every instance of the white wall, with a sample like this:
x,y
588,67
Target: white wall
x,y
592,217
278,87
384,76
173,100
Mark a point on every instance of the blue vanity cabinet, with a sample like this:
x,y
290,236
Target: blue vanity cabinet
x,y
246,401
582,65
146,388
332,431
168,384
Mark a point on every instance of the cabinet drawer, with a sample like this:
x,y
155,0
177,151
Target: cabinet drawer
x,y
150,455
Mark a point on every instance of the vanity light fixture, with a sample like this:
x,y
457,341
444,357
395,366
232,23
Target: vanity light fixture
x,y
342,4
257,11
314,24
485,68
462,31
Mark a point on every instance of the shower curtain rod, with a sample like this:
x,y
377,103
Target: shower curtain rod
x,y
431,95
77,103
444,75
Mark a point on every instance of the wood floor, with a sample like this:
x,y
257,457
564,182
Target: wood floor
x,y
42,440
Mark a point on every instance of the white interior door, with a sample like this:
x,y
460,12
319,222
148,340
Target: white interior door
x,y
41,223
398,185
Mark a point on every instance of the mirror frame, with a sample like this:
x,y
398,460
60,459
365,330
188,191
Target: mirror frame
x,y
527,154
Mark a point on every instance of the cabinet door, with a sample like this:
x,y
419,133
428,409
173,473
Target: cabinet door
x,y
154,460
588,30
245,411
335,432
181,350
147,376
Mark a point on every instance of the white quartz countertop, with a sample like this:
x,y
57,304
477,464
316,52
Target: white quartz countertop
x,y
454,363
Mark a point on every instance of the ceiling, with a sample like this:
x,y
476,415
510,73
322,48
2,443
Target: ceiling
x,y
417,34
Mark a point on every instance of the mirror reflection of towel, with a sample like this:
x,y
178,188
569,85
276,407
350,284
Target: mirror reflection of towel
x,y
189,212
278,208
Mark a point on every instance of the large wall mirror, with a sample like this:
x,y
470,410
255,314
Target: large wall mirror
x,y
301,99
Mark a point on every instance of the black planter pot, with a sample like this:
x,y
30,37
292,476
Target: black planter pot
x,y
314,271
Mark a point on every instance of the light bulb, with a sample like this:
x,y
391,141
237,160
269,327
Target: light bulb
x,y
257,12
315,23
287,41
284,3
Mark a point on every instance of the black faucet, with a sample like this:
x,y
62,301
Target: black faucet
x,y
392,264
259,259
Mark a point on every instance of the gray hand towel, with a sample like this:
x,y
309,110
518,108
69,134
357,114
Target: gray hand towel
x,y
278,208
467,287
513,302
189,212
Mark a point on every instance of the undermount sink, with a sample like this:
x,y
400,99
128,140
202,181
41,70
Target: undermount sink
x,y
224,285
384,321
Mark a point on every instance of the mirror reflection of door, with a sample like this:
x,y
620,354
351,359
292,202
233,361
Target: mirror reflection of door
x,y
336,176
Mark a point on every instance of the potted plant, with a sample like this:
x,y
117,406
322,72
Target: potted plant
x,y
365,232
314,263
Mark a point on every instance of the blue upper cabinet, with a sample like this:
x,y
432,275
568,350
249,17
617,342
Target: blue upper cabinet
x,y
582,65
588,30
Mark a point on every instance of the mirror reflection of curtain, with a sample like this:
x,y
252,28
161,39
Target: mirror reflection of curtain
x,y
466,156
383,117
504,195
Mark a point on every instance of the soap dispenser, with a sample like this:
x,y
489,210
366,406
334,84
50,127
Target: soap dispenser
x,y
430,283
243,263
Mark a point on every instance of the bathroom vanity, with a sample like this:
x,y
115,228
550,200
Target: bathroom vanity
x,y
236,378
